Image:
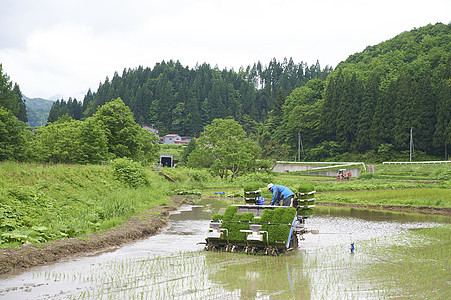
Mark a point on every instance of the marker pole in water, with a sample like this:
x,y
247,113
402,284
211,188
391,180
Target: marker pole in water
x,y
291,231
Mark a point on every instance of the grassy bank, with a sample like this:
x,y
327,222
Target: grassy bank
x,y
47,202
433,197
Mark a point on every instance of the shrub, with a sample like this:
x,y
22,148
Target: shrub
x,y
199,175
129,172
252,186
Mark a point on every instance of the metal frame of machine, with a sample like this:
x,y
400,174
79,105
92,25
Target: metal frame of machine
x,y
259,241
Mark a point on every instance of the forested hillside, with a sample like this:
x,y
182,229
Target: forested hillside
x,y
38,111
366,106
177,99
363,109
374,98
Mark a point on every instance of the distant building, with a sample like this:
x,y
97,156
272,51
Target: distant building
x,y
172,139
185,140
150,129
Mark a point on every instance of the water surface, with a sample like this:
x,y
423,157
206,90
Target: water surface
x,y
172,265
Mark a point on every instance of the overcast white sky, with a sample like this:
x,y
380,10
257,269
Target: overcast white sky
x,y
61,48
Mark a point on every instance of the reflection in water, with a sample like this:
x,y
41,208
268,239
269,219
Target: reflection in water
x,y
260,277
171,265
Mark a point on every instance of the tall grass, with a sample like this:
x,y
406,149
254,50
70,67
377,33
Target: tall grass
x,y
46,202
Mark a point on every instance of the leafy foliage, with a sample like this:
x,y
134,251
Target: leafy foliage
x,y
225,147
399,80
13,137
110,133
41,202
183,100
129,172
11,97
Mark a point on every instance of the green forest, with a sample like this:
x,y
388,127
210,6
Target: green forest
x,y
363,109
37,111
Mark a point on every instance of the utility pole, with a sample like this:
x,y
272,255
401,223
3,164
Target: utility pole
x,y
411,144
299,145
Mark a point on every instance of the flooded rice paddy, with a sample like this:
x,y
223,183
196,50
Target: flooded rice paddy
x,y
391,260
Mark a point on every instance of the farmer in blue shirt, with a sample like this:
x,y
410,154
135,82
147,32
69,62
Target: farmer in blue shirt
x,y
280,192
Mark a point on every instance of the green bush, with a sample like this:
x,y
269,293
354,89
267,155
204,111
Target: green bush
x,y
199,175
252,186
128,172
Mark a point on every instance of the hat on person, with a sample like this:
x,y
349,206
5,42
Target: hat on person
x,y
270,186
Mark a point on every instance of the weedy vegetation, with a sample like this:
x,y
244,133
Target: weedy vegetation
x,y
46,202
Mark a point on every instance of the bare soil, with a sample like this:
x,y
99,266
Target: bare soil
x,y
16,259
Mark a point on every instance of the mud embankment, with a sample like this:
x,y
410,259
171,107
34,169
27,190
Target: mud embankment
x,y
142,225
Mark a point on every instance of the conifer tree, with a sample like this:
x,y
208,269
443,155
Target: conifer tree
x,y
22,113
8,99
365,116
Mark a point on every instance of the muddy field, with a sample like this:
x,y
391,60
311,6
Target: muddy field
x,y
172,264
17,259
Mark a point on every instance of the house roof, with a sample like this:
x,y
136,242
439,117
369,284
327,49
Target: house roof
x,y
171,135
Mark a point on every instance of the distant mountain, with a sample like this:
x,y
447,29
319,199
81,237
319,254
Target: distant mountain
x,y
38,111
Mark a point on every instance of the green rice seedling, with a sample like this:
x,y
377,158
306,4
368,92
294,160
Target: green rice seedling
x,y
413,264
413,197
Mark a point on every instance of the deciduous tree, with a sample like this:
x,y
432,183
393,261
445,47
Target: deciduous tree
x,y
225,146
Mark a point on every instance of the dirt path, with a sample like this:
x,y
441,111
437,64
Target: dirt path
x,y
17,259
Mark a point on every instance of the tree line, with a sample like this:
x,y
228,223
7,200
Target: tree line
x,y
363,109
178,99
